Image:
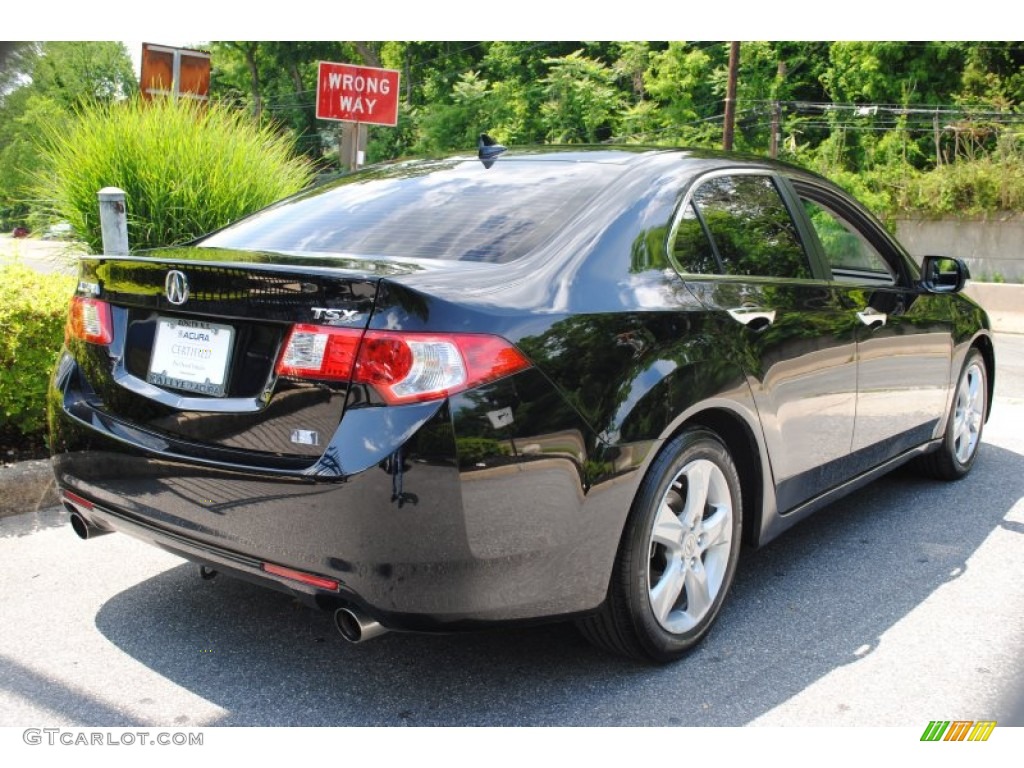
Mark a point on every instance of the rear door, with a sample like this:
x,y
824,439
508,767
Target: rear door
x,y
742,254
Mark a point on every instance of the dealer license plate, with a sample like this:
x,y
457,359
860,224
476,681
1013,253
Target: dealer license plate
x,y
191,355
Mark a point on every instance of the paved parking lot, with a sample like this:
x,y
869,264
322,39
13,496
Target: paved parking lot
x,y
898,605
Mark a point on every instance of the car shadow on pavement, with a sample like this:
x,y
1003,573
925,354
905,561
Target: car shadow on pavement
x,y
812,601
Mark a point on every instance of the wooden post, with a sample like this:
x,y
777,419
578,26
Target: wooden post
x,y
113,221
358,139
730,96
780,75
776,120
353,141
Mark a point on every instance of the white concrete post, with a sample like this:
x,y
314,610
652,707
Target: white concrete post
x,y
113,221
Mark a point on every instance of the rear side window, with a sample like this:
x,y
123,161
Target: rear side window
x,y
460,212
747,230
692,248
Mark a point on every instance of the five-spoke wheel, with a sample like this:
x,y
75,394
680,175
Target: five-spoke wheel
x,y
691,542
678,552
967,415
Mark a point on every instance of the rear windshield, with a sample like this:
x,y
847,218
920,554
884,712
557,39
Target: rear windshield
x,y
460,212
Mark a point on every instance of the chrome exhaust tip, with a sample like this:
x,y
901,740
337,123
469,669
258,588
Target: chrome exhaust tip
x,y
355,626
84,529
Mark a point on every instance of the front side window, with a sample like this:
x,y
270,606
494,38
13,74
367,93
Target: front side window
x,y
749,230
849,254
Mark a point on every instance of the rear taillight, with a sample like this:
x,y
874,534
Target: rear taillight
x,y
318,352
89,320
401,367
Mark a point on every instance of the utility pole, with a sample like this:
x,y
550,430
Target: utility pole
x,y
773,149
730,96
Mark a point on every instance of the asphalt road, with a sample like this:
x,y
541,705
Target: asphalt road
x,y
44,256
896,606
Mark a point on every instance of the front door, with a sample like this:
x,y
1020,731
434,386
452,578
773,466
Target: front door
x,y
904,345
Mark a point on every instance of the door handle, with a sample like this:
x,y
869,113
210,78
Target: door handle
x,y
755,318
872,318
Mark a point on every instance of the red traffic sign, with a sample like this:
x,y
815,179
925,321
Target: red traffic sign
x,y
357,94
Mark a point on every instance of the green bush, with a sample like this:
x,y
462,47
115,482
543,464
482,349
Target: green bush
x,y
971,187
186,168
33,308
473,450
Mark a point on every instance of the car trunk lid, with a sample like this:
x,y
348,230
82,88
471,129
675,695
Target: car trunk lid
x,y
197,334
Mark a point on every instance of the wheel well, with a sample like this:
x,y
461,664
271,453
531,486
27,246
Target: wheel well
x,y
984,345
743,447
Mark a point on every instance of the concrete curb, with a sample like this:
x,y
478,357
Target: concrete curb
x,y
27,486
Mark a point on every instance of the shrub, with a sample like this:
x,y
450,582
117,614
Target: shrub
x,y
33,308
186,168
971,187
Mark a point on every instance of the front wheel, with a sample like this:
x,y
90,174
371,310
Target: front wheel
x,y
678,553
962,438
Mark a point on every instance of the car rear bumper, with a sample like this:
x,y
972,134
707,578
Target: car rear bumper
x,y
415,541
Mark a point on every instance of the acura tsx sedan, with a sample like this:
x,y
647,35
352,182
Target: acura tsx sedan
x,y
525,386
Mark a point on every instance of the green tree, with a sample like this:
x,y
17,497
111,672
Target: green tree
x,y
41,85
581,101
680,79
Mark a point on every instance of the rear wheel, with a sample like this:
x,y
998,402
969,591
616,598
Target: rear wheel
x,y
966,419
678,553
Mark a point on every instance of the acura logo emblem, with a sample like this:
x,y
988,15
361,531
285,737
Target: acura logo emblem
x,y
176,286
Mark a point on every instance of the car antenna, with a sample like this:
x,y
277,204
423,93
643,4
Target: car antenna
x,y
488,150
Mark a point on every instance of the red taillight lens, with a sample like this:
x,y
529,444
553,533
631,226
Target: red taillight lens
x,y
414,367
319,352
401,367
89,320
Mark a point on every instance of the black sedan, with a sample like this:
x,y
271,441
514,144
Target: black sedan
x,y
549,384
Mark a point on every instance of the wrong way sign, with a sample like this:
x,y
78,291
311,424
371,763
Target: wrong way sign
x,y
357,94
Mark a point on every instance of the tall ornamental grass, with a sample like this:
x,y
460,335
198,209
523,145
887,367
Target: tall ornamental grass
x,y
186,168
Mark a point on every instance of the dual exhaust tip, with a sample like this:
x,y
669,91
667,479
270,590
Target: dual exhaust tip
x,y
354,625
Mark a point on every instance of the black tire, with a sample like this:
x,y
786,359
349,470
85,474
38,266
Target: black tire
x,y
677,557
962,438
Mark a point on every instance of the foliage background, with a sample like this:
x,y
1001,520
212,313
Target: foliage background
x,y
922,127
933,127
33,308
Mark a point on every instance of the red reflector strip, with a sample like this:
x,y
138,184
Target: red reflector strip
x,y
322,582
77,500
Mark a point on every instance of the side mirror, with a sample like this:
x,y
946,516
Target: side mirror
x,y
941,274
